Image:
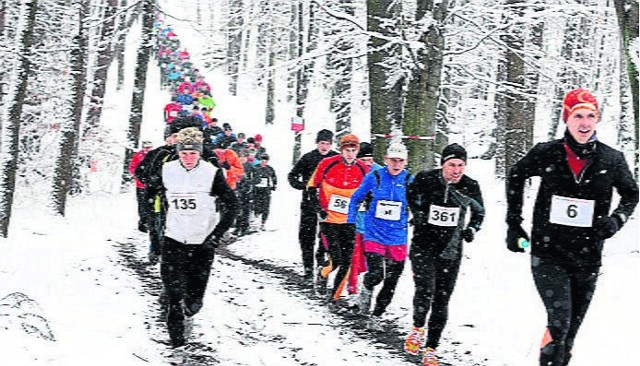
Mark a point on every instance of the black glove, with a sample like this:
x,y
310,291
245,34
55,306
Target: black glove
x,y
514,233
273,188
417,219
607,226
212,241
225,165
314,203
468,234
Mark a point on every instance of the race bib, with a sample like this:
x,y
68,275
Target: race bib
x,y
388,210
184,203
339,204
570,211
443,216
264,182
173,113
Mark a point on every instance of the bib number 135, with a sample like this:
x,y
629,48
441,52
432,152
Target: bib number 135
x,y
185,204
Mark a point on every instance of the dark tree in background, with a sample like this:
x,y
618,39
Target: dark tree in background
x,y
140,83
12,129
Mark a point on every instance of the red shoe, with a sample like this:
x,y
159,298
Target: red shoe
x,y
429,357
414,340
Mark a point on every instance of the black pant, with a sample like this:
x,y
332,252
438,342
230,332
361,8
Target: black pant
x,y
242,221
155,225
143,205
341,240
307,236
376,273
434,279
185,272
566,293
262,203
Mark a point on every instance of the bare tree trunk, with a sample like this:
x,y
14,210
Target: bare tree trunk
x,y
3,8
518,129
140,84
306,43
103,60
423,91
12,130
385,94
63,173
627,11
341,67
234,43
291,82
271,83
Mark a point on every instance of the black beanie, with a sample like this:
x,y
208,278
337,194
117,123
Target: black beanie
x,y
324,135
453,151
366,150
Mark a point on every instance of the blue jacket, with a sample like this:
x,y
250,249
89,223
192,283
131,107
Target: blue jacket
x,y
360,215
386,219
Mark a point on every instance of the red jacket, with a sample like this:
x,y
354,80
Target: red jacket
x,y
336,181
171,111
135,161
236,171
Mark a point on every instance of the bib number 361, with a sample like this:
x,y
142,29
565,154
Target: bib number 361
x,y
570,211
443,216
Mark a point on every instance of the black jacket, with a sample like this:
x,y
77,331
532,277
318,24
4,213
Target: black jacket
x,y
429,190
303,170
577,246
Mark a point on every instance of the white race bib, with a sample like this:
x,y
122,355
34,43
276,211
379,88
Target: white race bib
x,y
443,216
570,211
264,182
339,204
184,203
173,113
388,210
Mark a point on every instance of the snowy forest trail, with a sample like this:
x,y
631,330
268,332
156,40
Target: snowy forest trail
x,y
243,312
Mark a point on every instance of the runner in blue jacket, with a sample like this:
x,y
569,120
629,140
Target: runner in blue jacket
x,y
386,229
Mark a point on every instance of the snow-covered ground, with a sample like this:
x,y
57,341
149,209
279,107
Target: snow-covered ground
x,y
68,295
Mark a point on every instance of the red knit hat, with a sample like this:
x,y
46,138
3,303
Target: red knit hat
x,y
258,138
578,98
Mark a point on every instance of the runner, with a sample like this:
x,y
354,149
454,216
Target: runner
x,y
571,218
332,185
439,200
298,178
385,229
193,231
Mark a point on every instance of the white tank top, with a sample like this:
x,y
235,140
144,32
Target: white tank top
x,y
191,213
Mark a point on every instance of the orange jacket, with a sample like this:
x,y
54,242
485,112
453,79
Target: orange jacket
x,y
336,181
236,171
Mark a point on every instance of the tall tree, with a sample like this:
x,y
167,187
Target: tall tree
x,y
385,89
12,130
102,62
340,64
140,83
423,87
627,12
518,131
234,43
307,43
63,173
